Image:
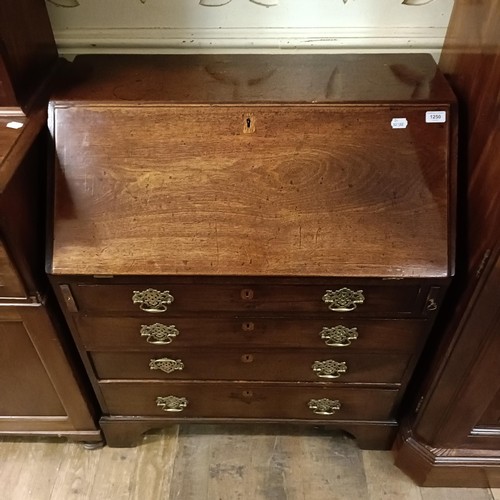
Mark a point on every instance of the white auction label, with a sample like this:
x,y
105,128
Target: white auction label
x,y
435,116
399,123
14,125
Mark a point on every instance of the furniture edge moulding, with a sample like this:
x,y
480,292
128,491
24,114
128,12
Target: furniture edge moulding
x,y
455,467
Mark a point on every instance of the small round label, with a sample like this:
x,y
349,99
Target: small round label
x,y
399,123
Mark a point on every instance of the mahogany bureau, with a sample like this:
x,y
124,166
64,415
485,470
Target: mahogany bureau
x,y
252,238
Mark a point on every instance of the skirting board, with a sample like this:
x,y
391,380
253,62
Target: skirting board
x,y
446,467
270,40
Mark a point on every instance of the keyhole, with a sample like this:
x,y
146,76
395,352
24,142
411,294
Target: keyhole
x,y
246,294
247,358
248,124
247,394
247,327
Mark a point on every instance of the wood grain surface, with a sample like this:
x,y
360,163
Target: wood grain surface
x,y
255,78
313,191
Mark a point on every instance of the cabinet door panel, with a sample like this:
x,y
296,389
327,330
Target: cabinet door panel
x,y
26,387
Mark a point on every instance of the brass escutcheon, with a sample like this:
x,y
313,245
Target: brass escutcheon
x,y
338,336
166,365
324,406
159,333
152,301
329,368
171,403
343,300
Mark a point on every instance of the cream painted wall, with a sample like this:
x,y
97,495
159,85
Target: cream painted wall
x,y
170,26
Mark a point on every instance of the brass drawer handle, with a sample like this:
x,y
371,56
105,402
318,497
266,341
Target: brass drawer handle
x,y
171,403
343,300
338,336
324,406
329,368
166,365
158,333
152,301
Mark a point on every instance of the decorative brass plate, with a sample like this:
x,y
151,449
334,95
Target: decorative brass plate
x,y
152,301
324,406
171,403
338,336
343,300
329,368
159,333
166,365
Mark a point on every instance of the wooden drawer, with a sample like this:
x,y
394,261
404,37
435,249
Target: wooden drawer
x,y
139,333
237,364
246,400
385,298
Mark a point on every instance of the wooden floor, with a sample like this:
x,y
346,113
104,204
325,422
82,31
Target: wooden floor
x,y
212,462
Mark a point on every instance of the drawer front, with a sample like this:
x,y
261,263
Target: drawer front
x,y
172,299
232,364
247,400
133,333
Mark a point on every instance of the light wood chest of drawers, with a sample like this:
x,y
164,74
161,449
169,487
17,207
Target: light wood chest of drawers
x,y
252,238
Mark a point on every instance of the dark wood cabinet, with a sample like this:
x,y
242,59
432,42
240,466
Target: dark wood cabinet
x,y
43,386
28,53
452,436
242,239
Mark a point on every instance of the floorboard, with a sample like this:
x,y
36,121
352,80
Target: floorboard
x,y
213,462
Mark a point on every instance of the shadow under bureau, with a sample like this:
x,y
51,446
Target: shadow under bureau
x,y
252,238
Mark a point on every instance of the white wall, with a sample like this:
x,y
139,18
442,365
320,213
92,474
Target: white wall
x,y
170,26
